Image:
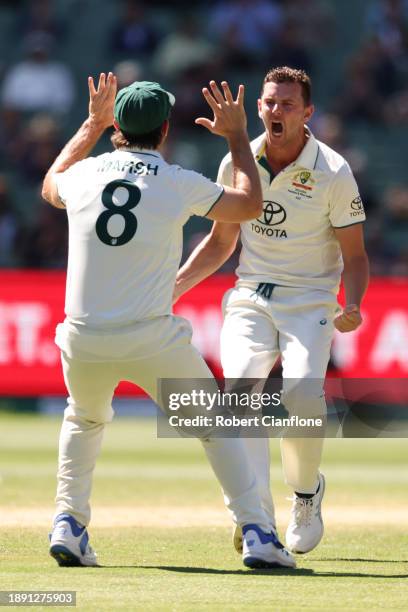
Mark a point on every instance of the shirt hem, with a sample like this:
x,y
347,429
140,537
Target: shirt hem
x,y
216,201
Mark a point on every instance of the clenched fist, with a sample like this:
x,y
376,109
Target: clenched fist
x,y
349,319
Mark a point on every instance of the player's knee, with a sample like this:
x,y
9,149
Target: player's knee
x,y
305,399
93,412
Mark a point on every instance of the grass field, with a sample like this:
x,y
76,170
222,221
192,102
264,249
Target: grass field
x,y
163,536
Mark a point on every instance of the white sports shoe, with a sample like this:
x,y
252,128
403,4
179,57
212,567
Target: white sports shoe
x,y
69,543
263,550
306,528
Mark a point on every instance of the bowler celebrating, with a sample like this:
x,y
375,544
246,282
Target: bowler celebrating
x,y
284,302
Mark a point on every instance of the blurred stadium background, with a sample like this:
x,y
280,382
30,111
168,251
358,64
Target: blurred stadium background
x,y
357,55
151,496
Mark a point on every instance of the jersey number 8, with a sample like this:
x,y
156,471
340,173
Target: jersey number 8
x,y
124,210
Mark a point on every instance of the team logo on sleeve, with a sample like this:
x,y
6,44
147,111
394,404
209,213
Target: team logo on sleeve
x,y
273,214
357,207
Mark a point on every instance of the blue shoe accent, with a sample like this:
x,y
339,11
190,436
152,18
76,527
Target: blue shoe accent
x,y
264,537
76,528
84,542
275,540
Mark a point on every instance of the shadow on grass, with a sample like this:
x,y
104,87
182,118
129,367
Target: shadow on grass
x,y
357,560
259,572
357,575
209,570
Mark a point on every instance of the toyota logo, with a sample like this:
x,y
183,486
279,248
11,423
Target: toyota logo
x,y
357,204
273,214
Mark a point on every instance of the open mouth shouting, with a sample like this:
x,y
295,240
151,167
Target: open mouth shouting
x,y
277,128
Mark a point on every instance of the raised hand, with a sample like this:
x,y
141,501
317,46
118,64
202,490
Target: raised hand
x,y
349,319
229,114
102,99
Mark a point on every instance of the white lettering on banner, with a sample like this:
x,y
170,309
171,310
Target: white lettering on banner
x,y
28,319
391,345
23,321
48,353
345,351
5,353
206,323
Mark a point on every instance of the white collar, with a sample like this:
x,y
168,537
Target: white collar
x,y
307,157
152,152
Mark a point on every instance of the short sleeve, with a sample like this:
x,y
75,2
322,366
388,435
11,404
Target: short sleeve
x,y
225,172
199,193
72,183
346,207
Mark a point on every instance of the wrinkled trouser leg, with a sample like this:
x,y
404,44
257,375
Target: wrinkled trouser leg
x,y
91,387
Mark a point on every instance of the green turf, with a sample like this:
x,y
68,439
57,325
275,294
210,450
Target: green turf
x,y
196,569
355,567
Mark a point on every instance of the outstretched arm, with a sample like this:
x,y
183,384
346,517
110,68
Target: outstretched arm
x,y
244,201
207,257
355,276
101,102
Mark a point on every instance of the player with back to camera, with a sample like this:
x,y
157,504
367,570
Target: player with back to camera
x,y
284,302
126,210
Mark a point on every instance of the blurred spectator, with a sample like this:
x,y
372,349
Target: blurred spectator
x,y
388,20
396,108
395,229
127,72
15,4
190,100
320,20
361,99
289,50
38,83
331,130
11,125
245,29
187,59
184,49
371,78
45,244
39,16
374,59
39,146
9,226
134,36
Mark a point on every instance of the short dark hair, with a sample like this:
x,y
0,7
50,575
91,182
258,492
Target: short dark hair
x,y
150,140
284,74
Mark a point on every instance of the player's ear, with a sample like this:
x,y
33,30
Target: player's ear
x,y
260,108
309,110
165,130
115,124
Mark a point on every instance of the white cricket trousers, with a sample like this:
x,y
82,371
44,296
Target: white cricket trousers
x,y
91,387
296,324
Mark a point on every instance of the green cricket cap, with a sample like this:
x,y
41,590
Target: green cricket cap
x,y
142,107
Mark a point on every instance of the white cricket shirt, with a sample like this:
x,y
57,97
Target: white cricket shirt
x,y
293,242
126,210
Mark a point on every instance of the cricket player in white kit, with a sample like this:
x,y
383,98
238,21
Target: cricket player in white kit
x,y
284,302
126,210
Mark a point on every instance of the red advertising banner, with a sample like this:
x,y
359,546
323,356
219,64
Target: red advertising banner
x,y
32,303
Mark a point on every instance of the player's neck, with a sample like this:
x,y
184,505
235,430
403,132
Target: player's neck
x,y
280,157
